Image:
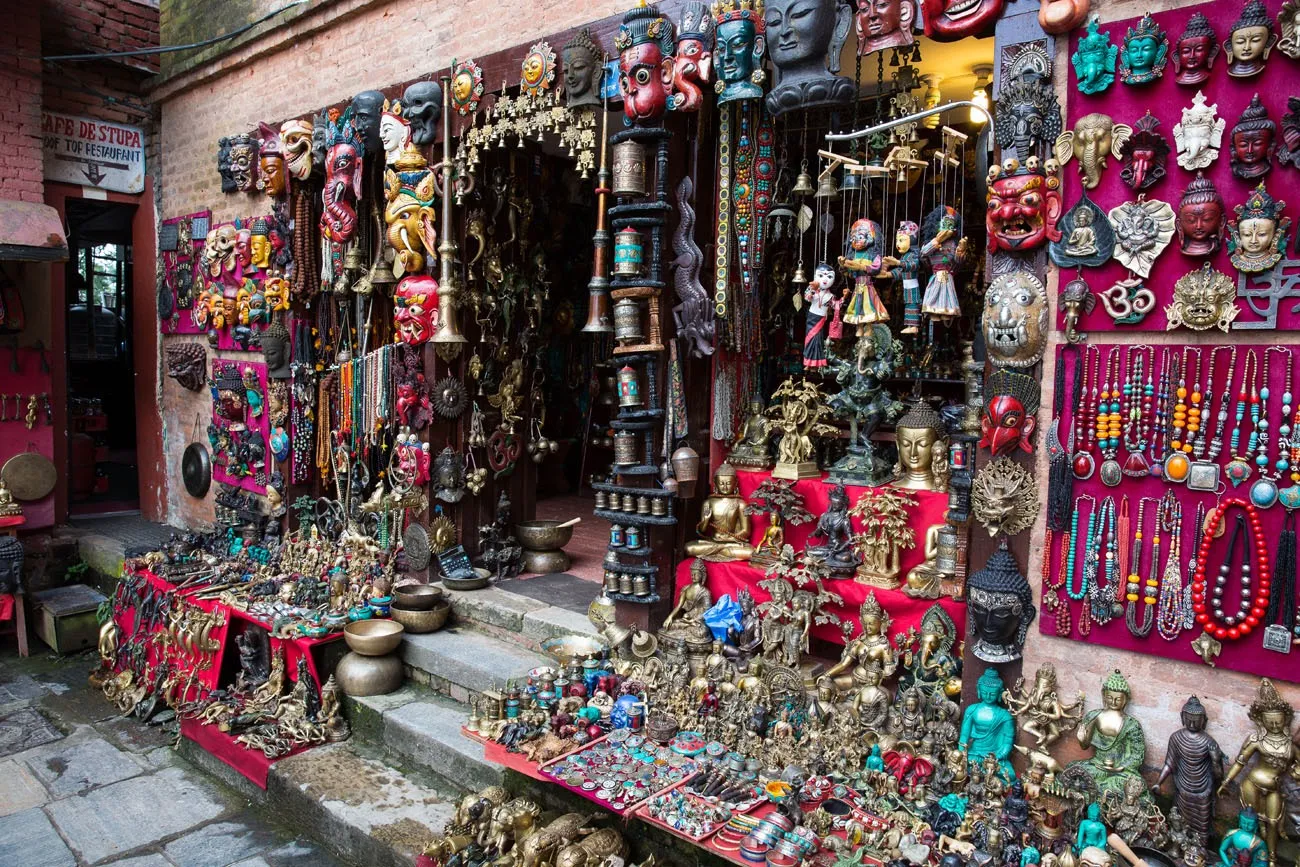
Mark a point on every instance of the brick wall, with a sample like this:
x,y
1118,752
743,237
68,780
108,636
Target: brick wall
x,y
20,111
380,45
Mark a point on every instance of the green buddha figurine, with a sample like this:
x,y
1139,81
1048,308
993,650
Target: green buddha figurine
x,y
1091,831
1244,847
1094,60
875,761
987,727
1115,738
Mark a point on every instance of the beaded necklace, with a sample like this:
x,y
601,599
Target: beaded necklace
x,y
1264,493
1280,619
1159,443
1053,600
1169,608
1105,587
1089,558
1177,462
1109,416
1238,469
1151,584
1137,421
1289,449
1082,463
1250,607
722,251
1225,400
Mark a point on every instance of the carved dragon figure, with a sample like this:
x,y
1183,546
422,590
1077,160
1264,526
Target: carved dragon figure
x,y
693,314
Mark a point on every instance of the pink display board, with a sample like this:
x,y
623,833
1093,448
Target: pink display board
x,y
182,269
30,377
1246,654
1166,100
258,424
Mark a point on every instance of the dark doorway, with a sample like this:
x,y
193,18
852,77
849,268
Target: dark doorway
x,y
103,475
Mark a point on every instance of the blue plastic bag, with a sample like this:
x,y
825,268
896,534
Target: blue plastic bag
x,y
724,615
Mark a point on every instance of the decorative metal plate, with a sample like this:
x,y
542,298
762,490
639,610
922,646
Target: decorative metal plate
x,y
30,476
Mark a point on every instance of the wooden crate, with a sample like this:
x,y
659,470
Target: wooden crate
x,y
64,617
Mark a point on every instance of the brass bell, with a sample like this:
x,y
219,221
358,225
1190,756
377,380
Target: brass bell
x,y
353,260
381,274
803,184
852,183
827,188
799,277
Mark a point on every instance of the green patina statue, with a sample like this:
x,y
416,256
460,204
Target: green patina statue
x,y
1243,847
987,728
1091,831
1116,739
1094,61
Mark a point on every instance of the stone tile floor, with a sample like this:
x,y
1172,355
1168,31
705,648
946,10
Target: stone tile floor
x,y
81,786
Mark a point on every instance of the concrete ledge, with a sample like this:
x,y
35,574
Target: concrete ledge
x,y
493,607
364,811
471,661
102,553
427,733
552,622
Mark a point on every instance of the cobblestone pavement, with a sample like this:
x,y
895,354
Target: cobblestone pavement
x,y
81,786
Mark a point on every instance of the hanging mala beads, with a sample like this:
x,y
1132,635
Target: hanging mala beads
x,y
1137,416
1169,608
1158,445
1053,599
1264,493
1135,585
1082,463
1280,619
1177,461
1109,421
1238,469
1104,605
1089,555
1060,486
1253,571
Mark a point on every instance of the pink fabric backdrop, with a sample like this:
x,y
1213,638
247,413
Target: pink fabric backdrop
x,y
1166,100
903,610
183,321
1246,654
261,425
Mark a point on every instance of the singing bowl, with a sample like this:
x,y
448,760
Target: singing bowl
x,y
360,675
419,622
373,637
543,535
572,647
417,597
545,562
1154,857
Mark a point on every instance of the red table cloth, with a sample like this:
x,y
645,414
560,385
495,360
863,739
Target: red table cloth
x,y
903,610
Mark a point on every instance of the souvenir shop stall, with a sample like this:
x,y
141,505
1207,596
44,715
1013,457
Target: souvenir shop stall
x,y
823,404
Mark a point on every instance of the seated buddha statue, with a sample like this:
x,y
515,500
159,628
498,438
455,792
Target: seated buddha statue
x,y
723,525
686,622
923,581
753,447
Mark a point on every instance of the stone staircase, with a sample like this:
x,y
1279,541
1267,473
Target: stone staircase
x,y
378,798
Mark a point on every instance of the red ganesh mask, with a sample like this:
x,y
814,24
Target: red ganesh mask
x,y
415,308
342,177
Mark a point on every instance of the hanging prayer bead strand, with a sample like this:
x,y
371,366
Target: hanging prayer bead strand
x,y
1253,570
1135,583
1169,612
1238,469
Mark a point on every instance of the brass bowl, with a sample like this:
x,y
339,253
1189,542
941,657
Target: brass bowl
x,y
417,597
373,637
419,622
574,647
543,535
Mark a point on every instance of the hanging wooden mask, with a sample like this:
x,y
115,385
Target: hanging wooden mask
x,y
1143,154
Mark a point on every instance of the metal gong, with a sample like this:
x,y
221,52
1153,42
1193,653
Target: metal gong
x,y
196,469
29,476
415,542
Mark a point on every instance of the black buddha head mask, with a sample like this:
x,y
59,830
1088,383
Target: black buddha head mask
x,y
1001,608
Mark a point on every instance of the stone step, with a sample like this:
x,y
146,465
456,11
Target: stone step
x,y
422,728
459,662
516,618
343,796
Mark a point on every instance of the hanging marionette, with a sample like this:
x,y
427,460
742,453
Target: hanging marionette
x,y
864,307
906,267
820,296
942,250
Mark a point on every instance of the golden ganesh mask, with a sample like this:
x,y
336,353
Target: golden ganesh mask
x,y
1024,205
1015,320
415,305
410,188
1203,299
1094,138
276,289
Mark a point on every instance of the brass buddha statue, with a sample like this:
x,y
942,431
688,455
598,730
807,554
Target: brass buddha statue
x,y
753,447
922,450
723,525
924,581
686,622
